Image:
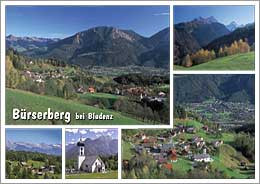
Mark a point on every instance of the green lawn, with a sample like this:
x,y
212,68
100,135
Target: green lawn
x,y
182,165
36,164
39,103
227,137
99,95
245,61
108,175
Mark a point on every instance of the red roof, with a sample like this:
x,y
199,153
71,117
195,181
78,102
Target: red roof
x,y
168,166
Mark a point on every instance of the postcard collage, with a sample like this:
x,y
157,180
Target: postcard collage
x,y
129,91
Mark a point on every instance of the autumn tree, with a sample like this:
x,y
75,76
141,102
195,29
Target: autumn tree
x,y
221,52
187,61
243,46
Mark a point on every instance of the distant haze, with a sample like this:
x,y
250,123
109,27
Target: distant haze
x,y
35,136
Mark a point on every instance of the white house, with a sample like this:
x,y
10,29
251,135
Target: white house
x,y
203,158
89,164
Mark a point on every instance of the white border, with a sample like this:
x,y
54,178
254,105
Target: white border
x,y
256,72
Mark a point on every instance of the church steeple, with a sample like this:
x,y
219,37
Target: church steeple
x,y
81,155
81,146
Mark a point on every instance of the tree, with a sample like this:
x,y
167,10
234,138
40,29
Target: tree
x,y
68,91
51,88
8,169
12,75
46,176
187,61
245,143
243,46
221,52
226,50
212,55
24,173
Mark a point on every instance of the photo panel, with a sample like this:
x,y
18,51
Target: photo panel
x,y
91,153
33,153
213,136
109,67
214,37
130,92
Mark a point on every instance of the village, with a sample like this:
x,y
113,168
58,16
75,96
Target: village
x,y
227,114
166,150
189,147
61,73
126,94
32,168
41,171
41,77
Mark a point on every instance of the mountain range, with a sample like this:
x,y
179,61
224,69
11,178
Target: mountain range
x,y
26,44
233,26
51,149
206,33
198,88
105,46
103,145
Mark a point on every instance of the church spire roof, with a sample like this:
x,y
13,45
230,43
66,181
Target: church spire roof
x,y
80,142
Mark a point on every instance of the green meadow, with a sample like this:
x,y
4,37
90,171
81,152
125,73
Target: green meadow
x,y
108,175
245,61
39,103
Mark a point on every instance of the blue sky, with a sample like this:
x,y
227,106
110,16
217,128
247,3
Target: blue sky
x,y
35,136
224,14
73,135
63,21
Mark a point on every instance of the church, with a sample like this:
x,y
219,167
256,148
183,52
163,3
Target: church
x,y
89,164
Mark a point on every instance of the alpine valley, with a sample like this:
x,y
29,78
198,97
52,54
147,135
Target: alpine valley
x,y
102,70
206,43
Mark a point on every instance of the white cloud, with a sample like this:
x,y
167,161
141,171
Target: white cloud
x,y
72,142
162,14
109,133
83,139
83,131
74,131
98,130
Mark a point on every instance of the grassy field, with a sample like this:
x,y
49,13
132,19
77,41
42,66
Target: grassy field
x,y
235,62
228,160
227,137
182,165
127,153
99,95
108,175
39,103
36,164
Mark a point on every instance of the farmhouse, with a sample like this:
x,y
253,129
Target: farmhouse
x,y
91,90
89,164
172,155
217,143
167,146
202,158
191,130
81,90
